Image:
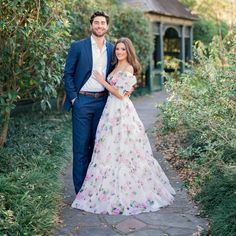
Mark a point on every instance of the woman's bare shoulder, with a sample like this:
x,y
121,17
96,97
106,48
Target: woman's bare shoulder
x,y
130,69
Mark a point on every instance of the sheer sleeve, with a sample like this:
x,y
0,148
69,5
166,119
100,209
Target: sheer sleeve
x,y
125,82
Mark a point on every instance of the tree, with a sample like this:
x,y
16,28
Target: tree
x,y
32,44
216,17
204,30
189,3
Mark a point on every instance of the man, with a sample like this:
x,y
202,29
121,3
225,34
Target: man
x,y
84,94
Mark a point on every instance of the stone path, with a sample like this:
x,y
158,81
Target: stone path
x,y
178,219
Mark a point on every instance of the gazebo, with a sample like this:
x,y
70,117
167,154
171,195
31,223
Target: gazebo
x,y
172,27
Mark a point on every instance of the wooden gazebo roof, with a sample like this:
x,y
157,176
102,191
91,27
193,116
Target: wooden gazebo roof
x,y
163,7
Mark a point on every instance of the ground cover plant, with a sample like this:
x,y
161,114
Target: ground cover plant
x,y
31,164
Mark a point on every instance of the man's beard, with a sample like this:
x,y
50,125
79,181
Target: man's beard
x,y
98,35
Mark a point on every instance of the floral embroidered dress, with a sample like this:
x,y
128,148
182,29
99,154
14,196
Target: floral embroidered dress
x,y
123,176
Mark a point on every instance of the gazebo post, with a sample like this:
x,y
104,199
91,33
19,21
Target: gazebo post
x,y
182,49
191,45
161,54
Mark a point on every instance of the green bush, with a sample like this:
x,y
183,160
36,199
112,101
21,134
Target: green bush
x,y
203,99
218,200
202,107
30,166
32,49
205,29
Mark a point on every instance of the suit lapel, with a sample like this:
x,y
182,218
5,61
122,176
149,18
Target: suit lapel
x,y
109,57
88,50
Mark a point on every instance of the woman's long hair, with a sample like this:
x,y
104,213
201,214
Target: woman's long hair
x,y
131,55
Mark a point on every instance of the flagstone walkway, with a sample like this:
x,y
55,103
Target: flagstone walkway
x,y
179,219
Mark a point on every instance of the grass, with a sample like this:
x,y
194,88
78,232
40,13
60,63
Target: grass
x,y
31,164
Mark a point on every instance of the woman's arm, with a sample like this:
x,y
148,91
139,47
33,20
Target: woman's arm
x,y
112,89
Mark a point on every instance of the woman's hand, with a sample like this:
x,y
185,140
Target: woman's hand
x,y
98,77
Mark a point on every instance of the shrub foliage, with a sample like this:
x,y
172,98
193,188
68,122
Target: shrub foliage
x,y
203,106
30,168
32,45
205,29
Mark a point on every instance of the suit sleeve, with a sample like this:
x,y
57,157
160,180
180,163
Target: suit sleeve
x,y
69,71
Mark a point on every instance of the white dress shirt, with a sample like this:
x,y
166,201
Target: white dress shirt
x,y
99,64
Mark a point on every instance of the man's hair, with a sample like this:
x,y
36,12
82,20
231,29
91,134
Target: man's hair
x,y
99,13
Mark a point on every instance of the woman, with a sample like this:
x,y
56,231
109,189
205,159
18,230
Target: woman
x,y
123,176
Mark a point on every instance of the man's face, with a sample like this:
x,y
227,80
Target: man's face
x,y
99,26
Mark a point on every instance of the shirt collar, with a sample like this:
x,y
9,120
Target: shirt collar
x,y
94,42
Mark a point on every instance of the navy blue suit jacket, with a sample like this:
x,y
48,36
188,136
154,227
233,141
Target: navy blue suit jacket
x,y
78,68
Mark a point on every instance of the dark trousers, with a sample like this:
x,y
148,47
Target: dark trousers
x,y
86,113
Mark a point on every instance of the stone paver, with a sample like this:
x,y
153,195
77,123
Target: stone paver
x,y
178,219
129,225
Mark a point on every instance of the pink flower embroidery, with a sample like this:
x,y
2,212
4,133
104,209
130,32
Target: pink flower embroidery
x,y
87,178
102,197
116,211
142,205
78,196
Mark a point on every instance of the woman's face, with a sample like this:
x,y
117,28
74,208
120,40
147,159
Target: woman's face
x,y
121,52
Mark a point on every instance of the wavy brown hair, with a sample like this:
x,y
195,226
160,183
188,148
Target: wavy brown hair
x,y
131,54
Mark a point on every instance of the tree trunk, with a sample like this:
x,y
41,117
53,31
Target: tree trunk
x,y
4,129
61,96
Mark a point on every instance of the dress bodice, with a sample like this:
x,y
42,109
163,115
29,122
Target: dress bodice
x,y
123,80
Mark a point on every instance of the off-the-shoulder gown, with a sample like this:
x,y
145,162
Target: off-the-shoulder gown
x,y
123,176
